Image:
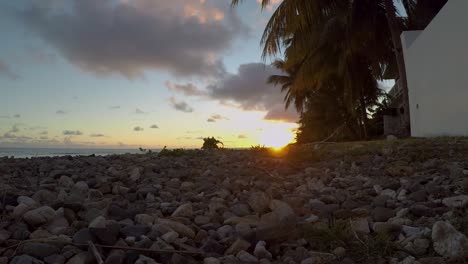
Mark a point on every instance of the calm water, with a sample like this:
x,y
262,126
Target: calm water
x,y
51,152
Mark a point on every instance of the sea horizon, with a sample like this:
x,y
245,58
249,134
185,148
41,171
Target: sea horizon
x,y
24,152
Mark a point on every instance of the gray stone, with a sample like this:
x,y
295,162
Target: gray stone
x,y
460,201
260,250
55,259
448,242
135,230
259,202
25,259
39,250
180,228
225,231
360,225
184,210
83,236
144,219
80,258
39,216
246,257
211,260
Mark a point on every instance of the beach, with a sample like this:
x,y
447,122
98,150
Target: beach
x,y
385,202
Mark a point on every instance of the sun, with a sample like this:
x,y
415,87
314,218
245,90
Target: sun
x,y
276,136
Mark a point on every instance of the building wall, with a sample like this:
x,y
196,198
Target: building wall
x,y
437,69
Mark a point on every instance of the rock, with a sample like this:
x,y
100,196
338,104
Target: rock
x,y
83,236
418,196
80,258
387,228
20,210
259,202
144,219
26,200
202,220
4,235
55,259
420,210
212,246
170,236
180,228
39,216
381,214
39,250
339,252
261,252
65,182
25,259
184,210
448,242
135,174
237,246
420,246
360,225
211,260
135,230
225,231
244,231
246,257
240,209
145,260
58,226
460,201
105,231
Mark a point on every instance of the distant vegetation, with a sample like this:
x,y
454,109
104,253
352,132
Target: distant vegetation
x,y
171,152
211,143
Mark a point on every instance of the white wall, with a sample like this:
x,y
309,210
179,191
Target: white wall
x,y
437,68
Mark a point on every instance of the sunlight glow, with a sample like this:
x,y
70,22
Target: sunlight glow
x,y
276,136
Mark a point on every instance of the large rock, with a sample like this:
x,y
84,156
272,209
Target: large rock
x,y
382,214
279,223
39,216
106,232
25,259
259,202
460,201
448,242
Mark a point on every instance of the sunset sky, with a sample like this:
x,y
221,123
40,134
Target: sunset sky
x,y
130,73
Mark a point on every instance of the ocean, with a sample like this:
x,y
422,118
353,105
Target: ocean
x,y
54,152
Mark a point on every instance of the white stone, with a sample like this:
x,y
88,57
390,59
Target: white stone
x,y
448,242
460,201
260,251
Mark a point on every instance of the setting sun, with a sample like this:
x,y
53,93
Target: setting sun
x,y
276,136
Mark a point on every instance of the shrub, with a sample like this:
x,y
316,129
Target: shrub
x,y
211,143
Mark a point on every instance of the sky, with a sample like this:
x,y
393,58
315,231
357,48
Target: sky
x,y
137,73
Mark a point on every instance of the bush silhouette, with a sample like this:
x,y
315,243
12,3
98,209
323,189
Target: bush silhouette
x,y
211,143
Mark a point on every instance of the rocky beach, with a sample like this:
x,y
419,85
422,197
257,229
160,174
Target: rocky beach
x,y
398,202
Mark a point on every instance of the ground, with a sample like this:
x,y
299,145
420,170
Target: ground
x,y
401,201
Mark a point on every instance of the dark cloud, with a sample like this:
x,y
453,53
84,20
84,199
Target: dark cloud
x,y
44,138
248,90
72,133
216,117
115,107
241,136
17,116
154,126
189,89
138,129
97,135
183,37
180,105
60,112
6,71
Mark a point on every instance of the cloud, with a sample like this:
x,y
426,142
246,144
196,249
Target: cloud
x,y
138,111
44,133
180,105
154,126
97,135
60,112
188,89
5,116
183,37
241,136
216,117
115,107
6,71
138,129
72,133
17,116
248,90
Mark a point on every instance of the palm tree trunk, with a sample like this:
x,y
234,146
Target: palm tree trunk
x,y
395,31
363,115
